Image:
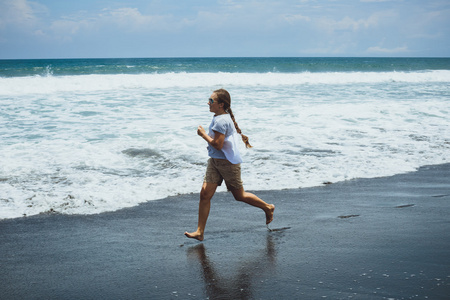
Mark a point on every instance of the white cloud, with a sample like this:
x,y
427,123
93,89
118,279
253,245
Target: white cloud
x,y
123,20
16,13
381,50
296,18
348,23
65,28
128,18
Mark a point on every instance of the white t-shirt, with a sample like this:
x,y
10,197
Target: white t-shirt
x,y
230,151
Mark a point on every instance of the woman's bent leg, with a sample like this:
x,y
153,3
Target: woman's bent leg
x,y
249,198
207,192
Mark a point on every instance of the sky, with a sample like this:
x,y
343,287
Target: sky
x,y
224,28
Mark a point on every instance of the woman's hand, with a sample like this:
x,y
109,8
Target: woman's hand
x,y
201,131
216,142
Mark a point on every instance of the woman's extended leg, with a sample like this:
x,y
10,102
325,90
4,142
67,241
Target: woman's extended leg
x,y
207,192
249,198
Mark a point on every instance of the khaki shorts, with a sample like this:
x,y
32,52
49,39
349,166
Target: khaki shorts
x,y
221,169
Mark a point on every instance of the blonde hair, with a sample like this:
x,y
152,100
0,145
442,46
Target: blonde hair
x,y
225,98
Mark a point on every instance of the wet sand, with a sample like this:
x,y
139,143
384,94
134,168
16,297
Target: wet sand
x,y
382,238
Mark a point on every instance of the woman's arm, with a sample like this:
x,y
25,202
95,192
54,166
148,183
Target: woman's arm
x,y
216,142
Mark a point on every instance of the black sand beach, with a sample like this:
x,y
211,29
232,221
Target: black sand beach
x,y
383,238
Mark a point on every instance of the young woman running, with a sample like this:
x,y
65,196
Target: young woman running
x,y
224,163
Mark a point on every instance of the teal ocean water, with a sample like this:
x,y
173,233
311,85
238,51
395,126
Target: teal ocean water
x,y
82,136
44,67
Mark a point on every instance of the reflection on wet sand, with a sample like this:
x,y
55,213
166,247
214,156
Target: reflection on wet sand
x,y
238,285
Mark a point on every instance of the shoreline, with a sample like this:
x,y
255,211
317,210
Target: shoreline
x,y
220,191
375,238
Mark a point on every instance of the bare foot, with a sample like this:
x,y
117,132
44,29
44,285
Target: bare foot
x,y
269,214
194,235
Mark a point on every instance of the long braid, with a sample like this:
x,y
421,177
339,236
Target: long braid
x,y
225,98
244,137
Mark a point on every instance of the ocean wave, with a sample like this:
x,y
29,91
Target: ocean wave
x,y
90,83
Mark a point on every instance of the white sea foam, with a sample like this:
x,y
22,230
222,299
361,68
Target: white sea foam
x,y
89,83
93,143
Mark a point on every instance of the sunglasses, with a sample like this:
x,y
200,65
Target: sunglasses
x,y
211,101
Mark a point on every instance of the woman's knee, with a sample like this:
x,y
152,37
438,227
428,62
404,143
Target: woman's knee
x,y
207,191
205,196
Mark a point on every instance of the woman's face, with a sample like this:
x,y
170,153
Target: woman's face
x,y
215,106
